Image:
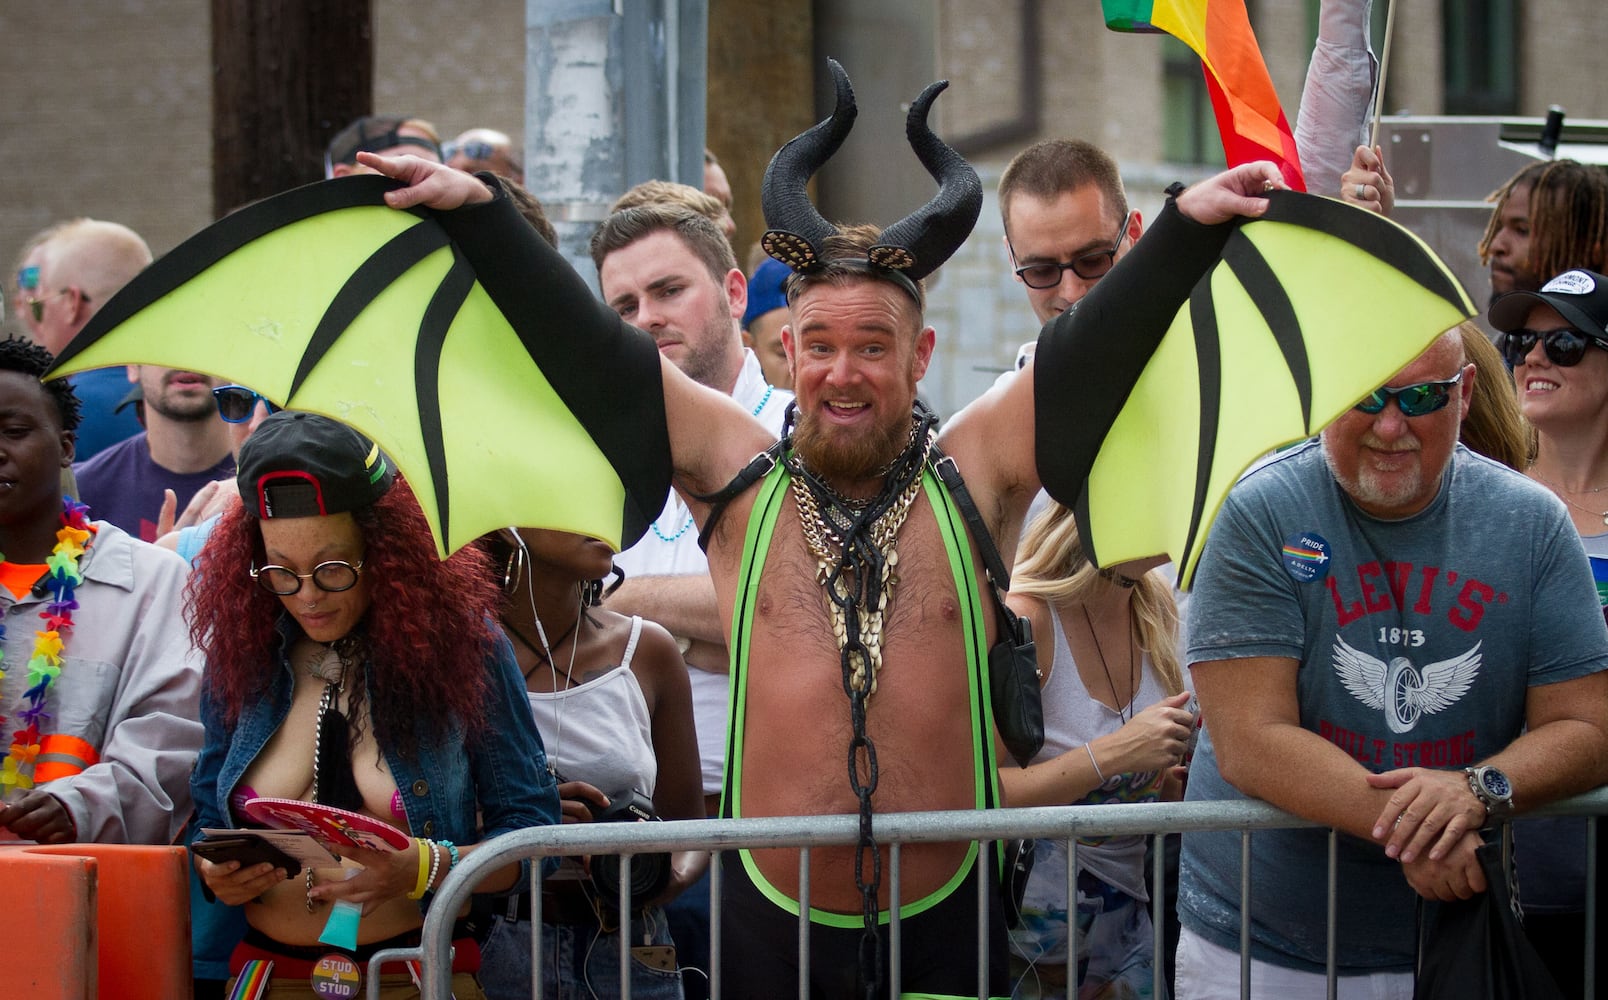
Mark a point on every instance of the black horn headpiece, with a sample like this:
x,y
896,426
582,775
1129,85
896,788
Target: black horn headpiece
x,y
911,248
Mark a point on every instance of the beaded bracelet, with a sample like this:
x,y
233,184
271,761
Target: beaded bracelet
x,y
435,862
423,883
452,853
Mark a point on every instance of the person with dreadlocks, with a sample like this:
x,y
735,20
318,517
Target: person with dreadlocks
x,y
848,579
98,686
1550,217
347,665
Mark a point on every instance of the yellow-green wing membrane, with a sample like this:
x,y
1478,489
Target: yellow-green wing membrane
x,y
323,299
1310,308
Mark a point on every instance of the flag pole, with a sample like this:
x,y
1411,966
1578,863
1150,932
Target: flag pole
x,y
1384,66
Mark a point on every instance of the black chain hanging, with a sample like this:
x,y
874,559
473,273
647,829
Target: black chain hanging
x,y
853,584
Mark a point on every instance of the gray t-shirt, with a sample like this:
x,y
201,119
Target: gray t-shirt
x,y
1417,640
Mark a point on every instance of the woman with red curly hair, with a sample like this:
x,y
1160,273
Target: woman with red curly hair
x,y
348,666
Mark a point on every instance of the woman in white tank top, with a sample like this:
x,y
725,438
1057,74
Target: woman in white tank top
x,y
612,702
1117,727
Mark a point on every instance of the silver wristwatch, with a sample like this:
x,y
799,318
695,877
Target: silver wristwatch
x,y
1492,788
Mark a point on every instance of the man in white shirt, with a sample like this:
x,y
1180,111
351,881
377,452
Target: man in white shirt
x,y
671,272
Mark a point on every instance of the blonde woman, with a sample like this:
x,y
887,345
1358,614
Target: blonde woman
x,y
1117,726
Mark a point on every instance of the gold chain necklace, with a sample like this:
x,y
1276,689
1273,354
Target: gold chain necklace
x,y
826,545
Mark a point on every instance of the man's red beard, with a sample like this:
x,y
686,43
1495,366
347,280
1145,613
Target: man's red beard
x,y
842,456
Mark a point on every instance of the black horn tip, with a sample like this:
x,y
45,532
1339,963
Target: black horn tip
x,y
923,103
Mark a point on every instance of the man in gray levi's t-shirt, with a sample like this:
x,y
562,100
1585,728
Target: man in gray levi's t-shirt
x,y
1375,612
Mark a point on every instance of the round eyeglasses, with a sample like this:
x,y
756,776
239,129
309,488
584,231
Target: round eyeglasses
x,y
236,403
331,577
1565,348
1416,400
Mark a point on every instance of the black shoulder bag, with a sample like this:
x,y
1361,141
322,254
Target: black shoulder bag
x,y
1013,672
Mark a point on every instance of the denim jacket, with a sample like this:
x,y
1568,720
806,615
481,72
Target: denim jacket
x,y
500,775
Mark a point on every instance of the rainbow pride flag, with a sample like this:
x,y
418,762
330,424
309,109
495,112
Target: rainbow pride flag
x,y
1249,118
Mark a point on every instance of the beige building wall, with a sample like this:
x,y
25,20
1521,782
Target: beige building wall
x,y
105,105
105,111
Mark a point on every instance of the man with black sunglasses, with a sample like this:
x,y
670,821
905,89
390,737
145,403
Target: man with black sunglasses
x,y
485,149
1066,221
1358,610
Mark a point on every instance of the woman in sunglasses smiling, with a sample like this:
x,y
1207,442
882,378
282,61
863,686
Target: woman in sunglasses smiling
x,y
1557,342
1556,339
348,666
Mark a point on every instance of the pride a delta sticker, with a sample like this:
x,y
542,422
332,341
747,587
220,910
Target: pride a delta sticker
x,y
1306,556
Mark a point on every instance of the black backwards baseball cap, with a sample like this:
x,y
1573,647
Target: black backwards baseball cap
x,y
1579,296
305,465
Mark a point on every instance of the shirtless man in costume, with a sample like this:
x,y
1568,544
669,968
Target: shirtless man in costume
x,y
859,465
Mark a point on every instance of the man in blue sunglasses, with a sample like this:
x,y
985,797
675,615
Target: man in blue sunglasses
x,y
1433,665
242,410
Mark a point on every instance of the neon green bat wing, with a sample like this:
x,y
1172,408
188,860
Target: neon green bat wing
x,y
323,299
1311,307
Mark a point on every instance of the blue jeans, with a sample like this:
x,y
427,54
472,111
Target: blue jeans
x,y
579,961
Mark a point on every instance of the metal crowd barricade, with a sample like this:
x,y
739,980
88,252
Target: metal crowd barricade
x,y
894,829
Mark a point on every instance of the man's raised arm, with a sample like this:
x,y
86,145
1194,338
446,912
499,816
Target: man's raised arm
x,y
1003,462
594,359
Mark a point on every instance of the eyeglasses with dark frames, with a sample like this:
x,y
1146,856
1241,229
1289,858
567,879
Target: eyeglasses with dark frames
x,y
1089,266
1416,400
236,403
1565,348
331,577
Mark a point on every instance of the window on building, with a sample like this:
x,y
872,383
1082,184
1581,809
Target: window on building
x,y
1190,129
1481,57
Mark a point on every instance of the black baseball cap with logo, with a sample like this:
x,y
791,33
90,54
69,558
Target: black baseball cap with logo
x,y
305,465
1579,296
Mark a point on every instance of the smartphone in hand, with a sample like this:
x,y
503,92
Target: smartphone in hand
x,y
247,850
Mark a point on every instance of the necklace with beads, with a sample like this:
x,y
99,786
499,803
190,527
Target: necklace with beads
x,y
686,514
44,666
686,522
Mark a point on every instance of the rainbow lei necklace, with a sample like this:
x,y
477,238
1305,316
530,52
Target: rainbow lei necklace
x,y
16,772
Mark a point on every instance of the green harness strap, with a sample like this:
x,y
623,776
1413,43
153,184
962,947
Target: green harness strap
x,y
756,543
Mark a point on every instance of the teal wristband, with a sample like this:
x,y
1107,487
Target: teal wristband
x,y
452,853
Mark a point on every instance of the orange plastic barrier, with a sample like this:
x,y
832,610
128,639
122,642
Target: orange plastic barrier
x,y
50,951
141,928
